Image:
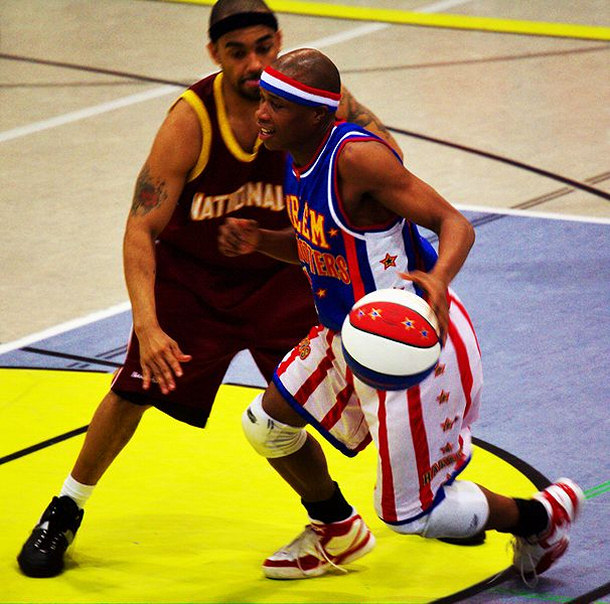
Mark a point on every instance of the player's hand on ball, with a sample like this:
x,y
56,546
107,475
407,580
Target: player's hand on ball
x,y
436,296
238,236
160,358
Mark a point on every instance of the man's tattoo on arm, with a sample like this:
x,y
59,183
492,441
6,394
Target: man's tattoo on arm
x,y
359,114
149,194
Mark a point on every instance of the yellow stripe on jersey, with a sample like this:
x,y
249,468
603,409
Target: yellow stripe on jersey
x,y
225,128
206,131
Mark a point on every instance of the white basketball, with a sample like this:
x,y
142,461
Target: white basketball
x,y
390,339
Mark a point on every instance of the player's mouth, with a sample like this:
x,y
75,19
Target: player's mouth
x,y
264,132
251,81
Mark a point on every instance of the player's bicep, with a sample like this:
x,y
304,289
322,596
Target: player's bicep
x,y
161,180
380,175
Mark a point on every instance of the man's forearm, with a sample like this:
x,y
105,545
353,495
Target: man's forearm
x,y
280,245
140,268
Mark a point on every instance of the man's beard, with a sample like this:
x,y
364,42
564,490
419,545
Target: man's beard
x,y
250,93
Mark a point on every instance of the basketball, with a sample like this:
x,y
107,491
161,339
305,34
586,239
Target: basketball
x,y
390,339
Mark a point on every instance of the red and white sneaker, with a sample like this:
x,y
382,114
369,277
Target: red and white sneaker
x,y
537,553
321,548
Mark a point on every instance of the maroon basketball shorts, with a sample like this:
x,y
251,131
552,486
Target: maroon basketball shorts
x,y
268,322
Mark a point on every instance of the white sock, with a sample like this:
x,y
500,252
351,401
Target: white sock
x,y
77,491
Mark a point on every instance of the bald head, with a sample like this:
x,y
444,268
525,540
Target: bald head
x,y
310,67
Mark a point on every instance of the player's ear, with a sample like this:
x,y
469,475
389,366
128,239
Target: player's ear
x,y
279,39
213,52
320,114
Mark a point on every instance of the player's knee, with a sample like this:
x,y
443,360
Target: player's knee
x,y
462,513
269,437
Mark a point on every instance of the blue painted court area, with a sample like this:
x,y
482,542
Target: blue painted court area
x,y
538,291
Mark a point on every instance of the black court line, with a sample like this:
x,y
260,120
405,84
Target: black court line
x,y
70,84
71,357
497,59
515,163
505,160
43,445
98,70
592,596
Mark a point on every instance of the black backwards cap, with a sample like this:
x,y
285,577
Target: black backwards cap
x,y
240,20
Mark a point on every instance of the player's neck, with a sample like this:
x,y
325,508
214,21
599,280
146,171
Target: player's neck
x,y
240,112
303,155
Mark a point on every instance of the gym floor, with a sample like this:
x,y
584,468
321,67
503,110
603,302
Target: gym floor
x,y
501,106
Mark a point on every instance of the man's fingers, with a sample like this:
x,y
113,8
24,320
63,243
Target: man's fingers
x,y
146,378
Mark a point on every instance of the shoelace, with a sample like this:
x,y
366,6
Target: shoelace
x,y
47,540
531,578
308,542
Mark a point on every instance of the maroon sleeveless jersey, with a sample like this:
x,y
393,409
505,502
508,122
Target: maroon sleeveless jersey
x,y
227,181
212,305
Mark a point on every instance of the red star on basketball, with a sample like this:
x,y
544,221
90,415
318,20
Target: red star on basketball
x,y
443,397
408,323
321,293
388,261
375,313
333,232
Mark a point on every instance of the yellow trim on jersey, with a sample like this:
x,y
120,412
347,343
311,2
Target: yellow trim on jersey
x,y
206,132
225,128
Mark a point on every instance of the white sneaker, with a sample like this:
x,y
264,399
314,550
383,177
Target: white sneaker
x,y
537,553
321,548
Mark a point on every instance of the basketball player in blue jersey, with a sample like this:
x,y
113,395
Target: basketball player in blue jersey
x,y
354,210
194,309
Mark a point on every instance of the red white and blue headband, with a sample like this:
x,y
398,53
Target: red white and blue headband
x,y
296,92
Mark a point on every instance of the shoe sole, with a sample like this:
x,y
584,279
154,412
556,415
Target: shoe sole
x,y
38,572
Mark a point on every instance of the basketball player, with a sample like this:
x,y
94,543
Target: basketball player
x,y
194,309
354,209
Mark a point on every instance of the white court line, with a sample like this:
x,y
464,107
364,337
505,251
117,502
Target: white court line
x,y
133,99
533,214
63,327
125,306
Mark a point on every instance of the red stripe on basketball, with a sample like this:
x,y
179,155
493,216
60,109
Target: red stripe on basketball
x,y
420,444
463,365
388,501
353,266
395,322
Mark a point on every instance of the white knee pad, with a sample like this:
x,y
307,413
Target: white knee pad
x,y
462,513
269,437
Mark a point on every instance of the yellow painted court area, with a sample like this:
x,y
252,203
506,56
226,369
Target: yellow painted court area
x,y
186,515
448,21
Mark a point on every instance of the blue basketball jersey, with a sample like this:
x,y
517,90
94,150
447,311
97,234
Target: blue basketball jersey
x,y
345,262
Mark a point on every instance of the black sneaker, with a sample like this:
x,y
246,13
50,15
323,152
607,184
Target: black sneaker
x,y
42,555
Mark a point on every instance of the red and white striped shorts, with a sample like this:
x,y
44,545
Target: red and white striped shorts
x,y
422,434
